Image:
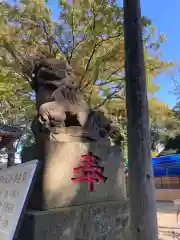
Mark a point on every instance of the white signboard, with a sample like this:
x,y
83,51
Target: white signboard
x,y
15,183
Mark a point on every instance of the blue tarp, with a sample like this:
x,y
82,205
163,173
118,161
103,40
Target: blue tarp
x,y
166,165
167,160
160,171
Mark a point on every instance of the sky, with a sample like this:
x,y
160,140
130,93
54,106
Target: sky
x,y
164,16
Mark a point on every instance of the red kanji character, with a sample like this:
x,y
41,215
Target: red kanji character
x,y
90,171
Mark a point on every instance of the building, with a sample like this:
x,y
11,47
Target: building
x,y
8,136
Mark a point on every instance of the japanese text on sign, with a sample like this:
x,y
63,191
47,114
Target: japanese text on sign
x,y
14,187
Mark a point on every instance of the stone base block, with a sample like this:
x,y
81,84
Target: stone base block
x,y
100,221
54,187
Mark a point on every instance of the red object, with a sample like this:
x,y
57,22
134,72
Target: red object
x,y
90,171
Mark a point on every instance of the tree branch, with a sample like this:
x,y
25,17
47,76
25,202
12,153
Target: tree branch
x,y
73,36
95,78
61,49
12,53
106,99
95,48
48,38
110,75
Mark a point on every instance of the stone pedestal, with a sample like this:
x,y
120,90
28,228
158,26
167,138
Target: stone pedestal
x,y
60,209
97,221
54,187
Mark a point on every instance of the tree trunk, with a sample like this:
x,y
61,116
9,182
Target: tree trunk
x,y
11,154
140,175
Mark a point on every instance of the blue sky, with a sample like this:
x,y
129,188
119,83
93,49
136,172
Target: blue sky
x,y
164,16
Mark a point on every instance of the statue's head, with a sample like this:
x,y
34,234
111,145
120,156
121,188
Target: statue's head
x,y
51,72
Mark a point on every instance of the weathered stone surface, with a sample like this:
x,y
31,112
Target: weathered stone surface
x,y
100,221
54,187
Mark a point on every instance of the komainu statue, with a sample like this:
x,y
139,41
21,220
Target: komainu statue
x,y
72,143
59,103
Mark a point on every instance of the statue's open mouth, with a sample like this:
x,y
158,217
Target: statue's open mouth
x,y
71,120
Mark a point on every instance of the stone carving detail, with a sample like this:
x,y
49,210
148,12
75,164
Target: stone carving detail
x,y
60,104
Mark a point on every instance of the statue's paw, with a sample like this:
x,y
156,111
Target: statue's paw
x,y
43,121
55,123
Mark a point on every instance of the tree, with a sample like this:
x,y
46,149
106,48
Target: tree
x,y
93,47
164,122
16,106
141,183
172,139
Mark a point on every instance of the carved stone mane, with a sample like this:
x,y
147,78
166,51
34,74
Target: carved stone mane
x,y
50,71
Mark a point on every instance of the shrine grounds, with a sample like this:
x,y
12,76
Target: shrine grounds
x,y
168,228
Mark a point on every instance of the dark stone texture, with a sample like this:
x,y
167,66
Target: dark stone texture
x,y
100,221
